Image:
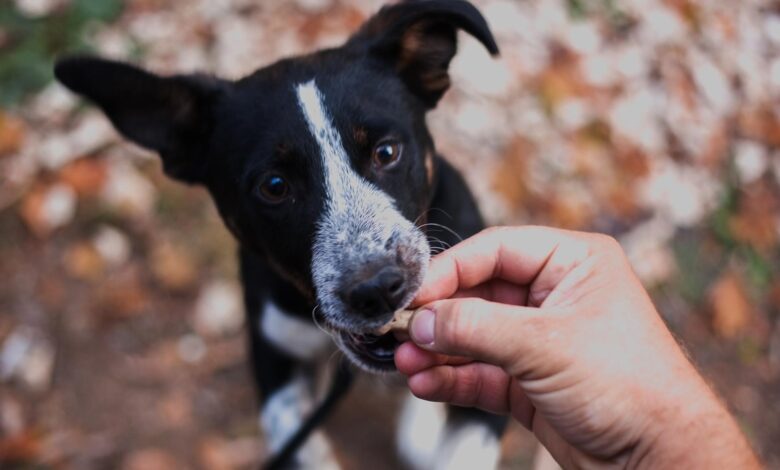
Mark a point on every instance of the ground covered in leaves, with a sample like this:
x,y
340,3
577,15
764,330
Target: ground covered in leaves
x,y
121,331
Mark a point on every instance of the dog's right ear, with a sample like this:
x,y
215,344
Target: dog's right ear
x,y
418,39
170,115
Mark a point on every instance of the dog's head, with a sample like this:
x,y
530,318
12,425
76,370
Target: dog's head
x,y
321,164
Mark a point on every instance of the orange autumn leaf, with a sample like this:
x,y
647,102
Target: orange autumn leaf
x,y
82,261
508,179
12,132
731,309
19,449
754,222
173,267
761,124
85,175
48,207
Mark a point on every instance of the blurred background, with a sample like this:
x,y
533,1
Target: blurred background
x,y
121,327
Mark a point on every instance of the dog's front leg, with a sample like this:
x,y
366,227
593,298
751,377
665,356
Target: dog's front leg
x,y
283,413
288,387
287,360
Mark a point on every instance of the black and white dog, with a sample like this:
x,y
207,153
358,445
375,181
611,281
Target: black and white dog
x,y
324,170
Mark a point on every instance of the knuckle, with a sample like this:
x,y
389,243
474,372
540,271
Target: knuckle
x,y
607,243
491,231
458,327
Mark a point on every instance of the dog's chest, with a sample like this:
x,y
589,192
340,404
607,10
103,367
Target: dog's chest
x,y
292,335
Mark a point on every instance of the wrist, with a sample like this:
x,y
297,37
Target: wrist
x,y
696,432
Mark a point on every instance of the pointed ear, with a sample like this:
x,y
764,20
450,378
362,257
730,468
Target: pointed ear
x,y
170,115
419,39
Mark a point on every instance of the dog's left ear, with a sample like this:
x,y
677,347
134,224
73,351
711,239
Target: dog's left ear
x,y
170,115
419,39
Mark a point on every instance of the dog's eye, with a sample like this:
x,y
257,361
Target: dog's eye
x,y
274,189
387,153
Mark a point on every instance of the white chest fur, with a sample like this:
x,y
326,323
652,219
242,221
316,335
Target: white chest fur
x,y
300,338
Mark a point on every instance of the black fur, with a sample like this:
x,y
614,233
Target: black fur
x,y
228,136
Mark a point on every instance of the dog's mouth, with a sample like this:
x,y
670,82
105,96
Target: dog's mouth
x,y
373,352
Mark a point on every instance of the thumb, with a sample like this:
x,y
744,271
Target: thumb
x,y
490,332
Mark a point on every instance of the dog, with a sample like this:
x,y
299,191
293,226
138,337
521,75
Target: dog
x,y
324,170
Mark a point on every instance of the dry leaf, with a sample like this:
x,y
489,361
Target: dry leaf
x,y
21,448
731,309
761,124
774,297
122,295
219,309
508,177
85,175
150,459
212,453
568,211
754,223
12,132
220,454
175,409
46,208
173,267
82,261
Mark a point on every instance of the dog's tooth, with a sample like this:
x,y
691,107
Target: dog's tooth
x,y
399,323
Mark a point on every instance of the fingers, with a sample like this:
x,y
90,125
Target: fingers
x,y
515,254
410,359
564,258
437,377
489,332
474,385
496,290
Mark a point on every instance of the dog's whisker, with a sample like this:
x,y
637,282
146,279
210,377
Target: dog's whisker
x,y
447,229
446,214
318,324
336,354
437,244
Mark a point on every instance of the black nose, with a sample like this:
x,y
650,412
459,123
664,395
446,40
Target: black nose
x,y
378,295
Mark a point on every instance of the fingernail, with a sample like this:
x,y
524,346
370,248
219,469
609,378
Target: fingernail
x,y
422,327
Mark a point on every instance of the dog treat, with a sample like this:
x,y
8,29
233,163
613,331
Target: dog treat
x,y
399,322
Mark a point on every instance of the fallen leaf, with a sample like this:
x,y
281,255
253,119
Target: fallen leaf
x,y
12,133
122,295
46,208
128,191
508,177
176,409
218,310
27,355
173,267
731,309
754,222
760,123
112,245
82,261
220,454
688,10
774,297
85,175
212,453
52,292
12,415
150,459
19,449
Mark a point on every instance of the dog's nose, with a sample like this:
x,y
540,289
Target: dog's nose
x,y
378,295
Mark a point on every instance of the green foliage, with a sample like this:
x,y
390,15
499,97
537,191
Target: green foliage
x,y
582,8
699,260
32,44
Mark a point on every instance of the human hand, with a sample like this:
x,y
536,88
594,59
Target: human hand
x,y
554,328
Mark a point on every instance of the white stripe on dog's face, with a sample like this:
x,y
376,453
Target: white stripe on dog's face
x,y
359,224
